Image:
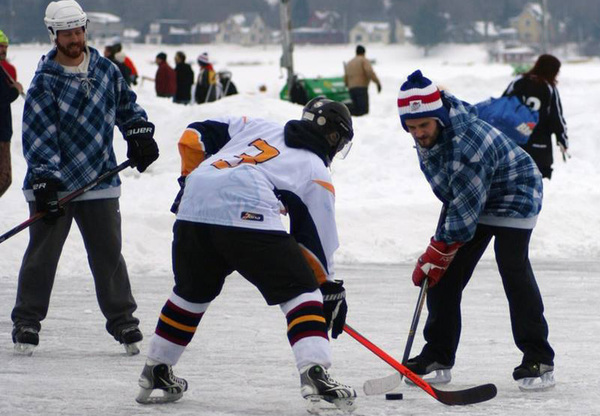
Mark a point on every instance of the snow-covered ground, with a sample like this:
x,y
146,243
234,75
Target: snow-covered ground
x,y
239,362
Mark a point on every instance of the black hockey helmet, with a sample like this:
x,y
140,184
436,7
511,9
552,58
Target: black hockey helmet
x,y
333,120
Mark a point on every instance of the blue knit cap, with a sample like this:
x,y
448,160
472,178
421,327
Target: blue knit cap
x,y
420,98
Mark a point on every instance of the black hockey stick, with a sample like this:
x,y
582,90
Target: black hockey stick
x,y
64,201
389,383
473,395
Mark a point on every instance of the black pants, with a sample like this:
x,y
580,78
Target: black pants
x,y
204,255
360,100
529,328
99,222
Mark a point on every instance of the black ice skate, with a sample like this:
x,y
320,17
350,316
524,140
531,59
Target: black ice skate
x,y
534,376
130,337
317,386
25,339
423,366
160,377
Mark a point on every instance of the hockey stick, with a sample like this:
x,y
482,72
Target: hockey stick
x,y
388,383
12,80
473,395
64,201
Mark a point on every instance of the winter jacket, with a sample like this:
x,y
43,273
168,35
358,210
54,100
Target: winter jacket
x,y
68,124
165,81
544,98
206,87
481,174
185,80
359,72
8,94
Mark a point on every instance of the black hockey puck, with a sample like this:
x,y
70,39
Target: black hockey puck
x,y
394,396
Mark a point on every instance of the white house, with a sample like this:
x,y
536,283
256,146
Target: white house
x,y
104,27
243,29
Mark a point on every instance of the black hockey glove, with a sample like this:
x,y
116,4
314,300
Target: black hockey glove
x,y
175,206
142,149
45,192
335,307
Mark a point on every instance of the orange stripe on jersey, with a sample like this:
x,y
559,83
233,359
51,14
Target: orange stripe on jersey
x,y
305,318
177,325
314,264
191,150
325,185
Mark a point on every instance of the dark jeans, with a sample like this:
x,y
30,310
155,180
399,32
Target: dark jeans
x,y
360,100
99,222
529,328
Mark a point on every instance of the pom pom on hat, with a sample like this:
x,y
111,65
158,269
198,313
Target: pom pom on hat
x,y
420,98
3,38
203,58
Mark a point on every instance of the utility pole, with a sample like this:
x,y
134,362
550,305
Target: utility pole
x,y
545,21
287,60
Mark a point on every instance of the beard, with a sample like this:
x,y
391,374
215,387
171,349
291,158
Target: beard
x,y
72,50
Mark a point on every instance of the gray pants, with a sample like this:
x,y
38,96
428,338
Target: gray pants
x,y
99,222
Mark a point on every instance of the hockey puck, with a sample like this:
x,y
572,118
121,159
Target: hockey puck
x,y
394,396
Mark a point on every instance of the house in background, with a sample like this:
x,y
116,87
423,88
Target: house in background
x,y
104,27
323,27
243,29
529,24
371,32
171,31
205,32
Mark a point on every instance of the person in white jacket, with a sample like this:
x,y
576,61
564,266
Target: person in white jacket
x,y
239,175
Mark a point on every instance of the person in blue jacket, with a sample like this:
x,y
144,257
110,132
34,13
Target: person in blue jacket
x,y
490,187
73,104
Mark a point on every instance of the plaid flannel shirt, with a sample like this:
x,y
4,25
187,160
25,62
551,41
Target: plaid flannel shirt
x,y
482,175
68,124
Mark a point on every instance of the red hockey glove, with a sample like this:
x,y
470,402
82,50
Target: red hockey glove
x,y
434,262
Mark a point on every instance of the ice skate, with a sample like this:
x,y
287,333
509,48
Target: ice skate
x,y
25,339
160,377
130,337
321,391
423,367
533,377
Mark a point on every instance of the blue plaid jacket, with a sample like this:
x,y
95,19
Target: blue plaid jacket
x,y
482,175
68,124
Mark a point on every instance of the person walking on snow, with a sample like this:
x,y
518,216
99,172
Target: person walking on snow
x,y
491,188
75,99
357,76
239,174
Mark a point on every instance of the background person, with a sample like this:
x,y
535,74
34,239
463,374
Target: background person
x,y
358,74
9,91
537,88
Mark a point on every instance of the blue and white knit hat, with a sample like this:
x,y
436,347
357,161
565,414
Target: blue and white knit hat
x,y
420,98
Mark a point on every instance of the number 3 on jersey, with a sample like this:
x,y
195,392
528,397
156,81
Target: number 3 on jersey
x,y
267,152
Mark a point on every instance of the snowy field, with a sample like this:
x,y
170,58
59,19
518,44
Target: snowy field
x,y
239,362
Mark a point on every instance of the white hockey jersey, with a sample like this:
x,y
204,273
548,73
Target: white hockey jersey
x,y
240,173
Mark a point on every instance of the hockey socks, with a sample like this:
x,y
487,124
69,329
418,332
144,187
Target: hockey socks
x,y
175,329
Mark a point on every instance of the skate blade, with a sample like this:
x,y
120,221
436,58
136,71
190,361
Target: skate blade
x,y
145,397
24,349
316,405
536,384
440,377
132,349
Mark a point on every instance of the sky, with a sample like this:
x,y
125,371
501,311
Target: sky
x,y
385,210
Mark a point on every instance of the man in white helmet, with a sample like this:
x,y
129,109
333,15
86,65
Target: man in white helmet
x,y
73,104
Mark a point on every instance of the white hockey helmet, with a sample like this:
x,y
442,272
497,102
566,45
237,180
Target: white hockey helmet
x,y
64,15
